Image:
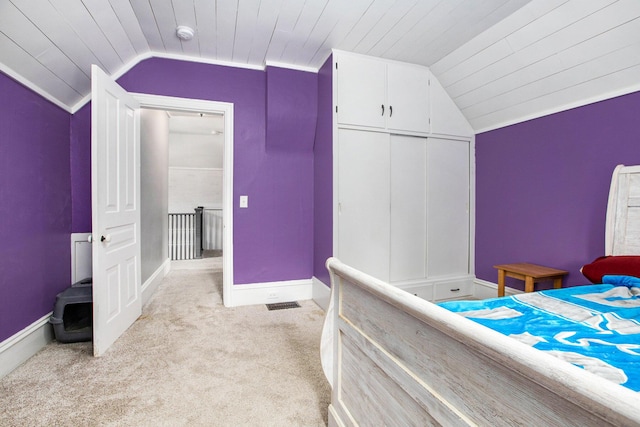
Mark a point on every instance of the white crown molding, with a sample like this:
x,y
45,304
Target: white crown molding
x,y
291,67
135,61
561,108
35,88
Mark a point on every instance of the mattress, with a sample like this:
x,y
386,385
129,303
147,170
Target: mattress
x,y
595,327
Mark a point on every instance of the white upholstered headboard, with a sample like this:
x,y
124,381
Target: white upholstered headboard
x,y
622,234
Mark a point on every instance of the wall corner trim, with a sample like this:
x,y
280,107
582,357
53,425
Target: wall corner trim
x,y
18,348
321,293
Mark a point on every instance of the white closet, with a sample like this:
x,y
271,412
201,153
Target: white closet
x,y
403,194
382,95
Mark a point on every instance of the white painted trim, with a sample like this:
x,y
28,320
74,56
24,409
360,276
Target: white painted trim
x,y
483,289
272,292
18,348
291,67
472,206
561,108
211,107
150,286
37,89
147,55
320,293
187,58
115,76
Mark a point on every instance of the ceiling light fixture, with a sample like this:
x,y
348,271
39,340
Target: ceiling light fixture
x,y
184,33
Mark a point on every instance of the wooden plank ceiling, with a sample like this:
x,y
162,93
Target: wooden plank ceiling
x,y
502,61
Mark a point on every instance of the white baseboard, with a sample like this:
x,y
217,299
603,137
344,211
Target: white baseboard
x,y
150,286
271,292
320,292
17,349
484,289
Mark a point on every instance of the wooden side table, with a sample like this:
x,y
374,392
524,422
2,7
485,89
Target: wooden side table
x,y
530,273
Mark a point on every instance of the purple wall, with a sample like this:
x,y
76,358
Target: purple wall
x,y
542,186
323,176
35,206
80,146
273,237
292,104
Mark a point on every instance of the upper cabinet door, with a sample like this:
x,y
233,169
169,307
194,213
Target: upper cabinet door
x,y
361,91
408,97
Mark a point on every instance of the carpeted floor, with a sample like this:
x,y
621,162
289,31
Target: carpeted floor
x,y
188,361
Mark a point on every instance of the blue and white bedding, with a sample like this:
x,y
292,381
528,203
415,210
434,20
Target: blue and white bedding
x,y
596,327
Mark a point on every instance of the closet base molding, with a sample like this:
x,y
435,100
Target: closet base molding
x,y
440,288
18,348
483,289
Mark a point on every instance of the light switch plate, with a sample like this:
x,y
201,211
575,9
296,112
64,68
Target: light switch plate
x,y
244,201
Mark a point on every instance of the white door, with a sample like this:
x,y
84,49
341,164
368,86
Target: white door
x,y
408,208
361,91
363,201
408,97
115,188
447,207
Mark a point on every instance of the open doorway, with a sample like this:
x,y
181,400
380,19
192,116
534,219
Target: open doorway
x,y
187,164
195,165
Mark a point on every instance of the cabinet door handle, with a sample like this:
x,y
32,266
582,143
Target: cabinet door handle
x,y
382,109
390,110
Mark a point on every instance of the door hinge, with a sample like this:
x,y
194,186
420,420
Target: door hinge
x,y
336,108
336,65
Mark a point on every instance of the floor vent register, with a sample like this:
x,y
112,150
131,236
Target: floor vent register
x,y
283,305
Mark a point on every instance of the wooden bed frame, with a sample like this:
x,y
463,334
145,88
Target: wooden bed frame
x,y
400,360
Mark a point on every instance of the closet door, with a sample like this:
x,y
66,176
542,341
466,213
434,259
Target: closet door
x,y
408,97
408,208
363,201
361,91
447,207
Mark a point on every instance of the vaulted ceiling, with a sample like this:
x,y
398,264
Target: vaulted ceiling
x,y
502,61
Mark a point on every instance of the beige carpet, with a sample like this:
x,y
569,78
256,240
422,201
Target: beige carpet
x,y
188,361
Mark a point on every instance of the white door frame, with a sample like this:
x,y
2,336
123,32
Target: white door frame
x,y
211,107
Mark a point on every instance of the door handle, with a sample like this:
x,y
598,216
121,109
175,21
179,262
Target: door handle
x,y
106,238
390,110
382,109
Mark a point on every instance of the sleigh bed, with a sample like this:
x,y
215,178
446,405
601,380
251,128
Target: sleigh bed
x,y
395,359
